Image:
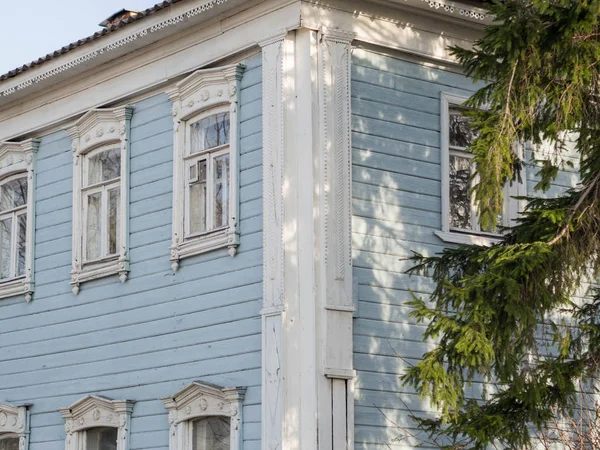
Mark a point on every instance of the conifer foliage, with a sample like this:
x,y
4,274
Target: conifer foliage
x,y
494,312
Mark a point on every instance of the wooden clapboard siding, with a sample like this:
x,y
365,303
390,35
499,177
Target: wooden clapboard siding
x,y
154,334
396,193
396,208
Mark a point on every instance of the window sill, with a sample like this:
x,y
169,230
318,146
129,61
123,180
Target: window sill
x,y
467,239
99,269
16,286
213,240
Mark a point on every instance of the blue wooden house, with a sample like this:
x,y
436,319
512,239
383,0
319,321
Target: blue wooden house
x,y
203,211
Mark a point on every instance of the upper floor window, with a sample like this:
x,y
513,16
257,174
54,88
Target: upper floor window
x,y
14,427
100,195
460,221
205,417
98,423
17,213
205,188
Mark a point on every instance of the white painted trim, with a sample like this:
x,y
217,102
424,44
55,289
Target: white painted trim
x,y
178,55
100,128
108,45
20,158
95,411
204,400
205,91
467,239
15,421
274,56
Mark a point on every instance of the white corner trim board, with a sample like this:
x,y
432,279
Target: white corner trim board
x,y
14,422
94,412
112,45
201,400
18,158
100,129
205,92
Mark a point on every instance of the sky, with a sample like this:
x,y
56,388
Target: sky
x,y
32,28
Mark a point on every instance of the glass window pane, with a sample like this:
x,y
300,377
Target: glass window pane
x,y
221,191
104,166
101,438
5,247
21,243
460,198
13,194
461,133
209,132
11,443
114,202
197,207
93,226
211,433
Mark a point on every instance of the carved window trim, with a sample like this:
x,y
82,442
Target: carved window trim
x,y
100,128
205,90
511,206
200,400
19,158
15,422
93,412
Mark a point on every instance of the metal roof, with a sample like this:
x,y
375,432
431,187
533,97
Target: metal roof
x,y
92,38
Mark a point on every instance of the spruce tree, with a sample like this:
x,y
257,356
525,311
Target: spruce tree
x,y
492,308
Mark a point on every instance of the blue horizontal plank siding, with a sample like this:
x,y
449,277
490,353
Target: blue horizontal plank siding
x,y
396,207
156,333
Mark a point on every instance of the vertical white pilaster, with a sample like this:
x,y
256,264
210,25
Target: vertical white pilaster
x,y
273,277
307,305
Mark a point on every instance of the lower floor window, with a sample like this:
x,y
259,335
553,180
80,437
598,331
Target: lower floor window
x,y
211,433
101,438
9,443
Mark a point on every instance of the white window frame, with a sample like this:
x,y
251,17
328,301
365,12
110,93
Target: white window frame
x,y
511,206
201,400
202,94
93,412
15,423
18,159
100,130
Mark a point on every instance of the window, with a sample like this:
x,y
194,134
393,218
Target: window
x,y
205,187
14,427
17,181
205,417
460,221
9,442
100,195
98,423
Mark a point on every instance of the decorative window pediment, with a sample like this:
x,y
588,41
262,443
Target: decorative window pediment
x,y
100,195
17,217
200,402
205,162
14,424
92,413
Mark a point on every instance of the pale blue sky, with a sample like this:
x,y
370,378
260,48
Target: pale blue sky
x,y
32,28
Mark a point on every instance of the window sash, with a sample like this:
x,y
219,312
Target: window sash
x,y
209,157
460,152
103,189
188,131
14,215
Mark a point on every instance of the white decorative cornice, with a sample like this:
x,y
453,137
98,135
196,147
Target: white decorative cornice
x,y
206,6
460,10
